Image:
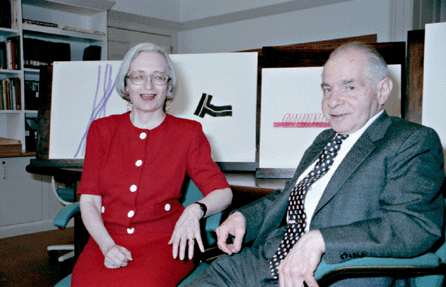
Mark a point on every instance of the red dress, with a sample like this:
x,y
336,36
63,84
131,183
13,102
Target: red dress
x,y
139,174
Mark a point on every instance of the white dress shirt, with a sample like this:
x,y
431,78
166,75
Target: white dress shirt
x,y
316,190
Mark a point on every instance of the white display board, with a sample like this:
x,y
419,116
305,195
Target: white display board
x,y
231,81
434,107
291,115
81,93
84,91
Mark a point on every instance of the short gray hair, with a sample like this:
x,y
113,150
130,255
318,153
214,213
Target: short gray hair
x,y
121,84
377,69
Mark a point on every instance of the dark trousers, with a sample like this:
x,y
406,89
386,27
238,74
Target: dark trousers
x,y
249,268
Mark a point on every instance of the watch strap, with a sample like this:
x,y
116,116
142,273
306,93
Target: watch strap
x,y
203,207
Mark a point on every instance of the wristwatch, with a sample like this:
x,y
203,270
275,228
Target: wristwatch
x,y
203,207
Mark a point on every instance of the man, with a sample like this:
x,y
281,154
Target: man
x,y
379,195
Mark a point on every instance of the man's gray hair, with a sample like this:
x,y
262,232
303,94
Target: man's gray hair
x,y
377,69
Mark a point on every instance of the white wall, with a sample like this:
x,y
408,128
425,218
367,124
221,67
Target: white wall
x,y
160,9
353,18
198,9
222,26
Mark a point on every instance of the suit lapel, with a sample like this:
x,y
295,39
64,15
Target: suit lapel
x,y
313,153
358,153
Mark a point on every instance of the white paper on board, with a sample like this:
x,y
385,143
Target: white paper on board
x,y
291,115
434,107
84,90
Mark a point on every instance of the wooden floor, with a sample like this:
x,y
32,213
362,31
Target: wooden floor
x,y
24,260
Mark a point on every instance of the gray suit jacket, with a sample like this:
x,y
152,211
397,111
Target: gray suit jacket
x,y
384,199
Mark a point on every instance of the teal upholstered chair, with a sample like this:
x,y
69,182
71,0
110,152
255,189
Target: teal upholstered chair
x,y
428,269
418,267
66,196
191,195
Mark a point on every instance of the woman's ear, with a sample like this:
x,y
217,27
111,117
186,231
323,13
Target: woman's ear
x,y
384,89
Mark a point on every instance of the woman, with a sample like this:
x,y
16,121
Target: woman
x,y
134,168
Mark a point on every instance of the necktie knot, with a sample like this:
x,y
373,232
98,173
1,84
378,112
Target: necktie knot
x,y
340,137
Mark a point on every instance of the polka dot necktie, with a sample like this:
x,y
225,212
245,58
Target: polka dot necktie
x,y
296,212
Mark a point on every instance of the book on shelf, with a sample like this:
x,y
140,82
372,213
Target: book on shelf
x,y
31,126
14,16
5,14
37,53
8,14
86,31
14,43
10,53
92,53
40,23
5,92
17,94
3,97
11,96
32,90
2,55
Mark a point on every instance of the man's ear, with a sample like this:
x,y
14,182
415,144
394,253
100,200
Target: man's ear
x,y
383,89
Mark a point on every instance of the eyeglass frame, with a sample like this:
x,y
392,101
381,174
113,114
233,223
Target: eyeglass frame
x,y
148,77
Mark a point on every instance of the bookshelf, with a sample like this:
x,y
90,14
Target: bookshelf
x,y
49,25
11,116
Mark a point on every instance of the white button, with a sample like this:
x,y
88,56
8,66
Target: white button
x,y
167,207
131,213
103,209
138,162
142,135
133,188
130,230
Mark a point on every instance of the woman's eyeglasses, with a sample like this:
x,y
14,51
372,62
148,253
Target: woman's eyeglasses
x,y
139,78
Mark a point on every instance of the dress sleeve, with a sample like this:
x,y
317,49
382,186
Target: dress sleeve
x,y
200,167
94,156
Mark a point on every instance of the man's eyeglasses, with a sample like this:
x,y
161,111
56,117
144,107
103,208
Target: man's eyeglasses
x,y
139,78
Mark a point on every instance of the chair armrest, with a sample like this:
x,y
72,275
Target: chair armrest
x,y
65,214
374,265
212,222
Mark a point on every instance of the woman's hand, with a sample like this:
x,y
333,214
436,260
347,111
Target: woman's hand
x,y
117,256
186,232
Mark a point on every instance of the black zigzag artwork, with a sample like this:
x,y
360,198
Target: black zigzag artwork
x,y
205,107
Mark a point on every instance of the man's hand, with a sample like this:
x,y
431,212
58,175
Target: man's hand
x,y
234,225
302,260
